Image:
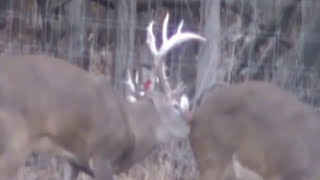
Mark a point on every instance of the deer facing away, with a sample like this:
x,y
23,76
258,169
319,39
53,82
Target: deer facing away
x,y
266,128
48,105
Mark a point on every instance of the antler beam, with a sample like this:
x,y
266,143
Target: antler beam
x,y
178,38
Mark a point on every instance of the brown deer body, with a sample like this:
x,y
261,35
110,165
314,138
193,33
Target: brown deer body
x,y
266,128
41,97
48,105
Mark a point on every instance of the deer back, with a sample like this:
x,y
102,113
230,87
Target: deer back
x,y
266,127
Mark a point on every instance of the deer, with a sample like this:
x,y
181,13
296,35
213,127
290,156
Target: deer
x,y
50,105
259,124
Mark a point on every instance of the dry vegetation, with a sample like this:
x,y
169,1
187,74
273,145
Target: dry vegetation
x,y
171,161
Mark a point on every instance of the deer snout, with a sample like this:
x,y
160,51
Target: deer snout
x,y
187,115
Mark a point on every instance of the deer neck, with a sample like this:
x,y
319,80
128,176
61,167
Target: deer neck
x,y
143,121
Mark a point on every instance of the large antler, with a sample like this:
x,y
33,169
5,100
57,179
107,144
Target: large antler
x,y
167,45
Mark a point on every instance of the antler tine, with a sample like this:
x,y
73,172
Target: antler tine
x,y
136,78
180,27
164,29
179,89
178,39
129,82
131,97
151,40
160,70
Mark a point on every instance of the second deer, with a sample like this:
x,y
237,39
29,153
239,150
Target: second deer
x,y
268,129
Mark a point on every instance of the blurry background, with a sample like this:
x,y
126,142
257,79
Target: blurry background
x,y
271,40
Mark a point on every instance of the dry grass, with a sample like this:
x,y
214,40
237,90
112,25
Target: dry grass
x,y
173,161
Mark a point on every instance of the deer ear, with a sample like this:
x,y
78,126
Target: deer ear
x,y
185,108
184,103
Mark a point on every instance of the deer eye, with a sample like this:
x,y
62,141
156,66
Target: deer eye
x,y
176,106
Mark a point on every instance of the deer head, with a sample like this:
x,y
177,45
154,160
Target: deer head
x,y
178,102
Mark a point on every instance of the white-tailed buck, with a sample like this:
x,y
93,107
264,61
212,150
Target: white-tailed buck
x,y
48,105
268,129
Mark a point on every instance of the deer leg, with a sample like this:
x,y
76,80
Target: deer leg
x,y
212,158
8,166
69,171
75,161
12,159
14,144
219,166
102,168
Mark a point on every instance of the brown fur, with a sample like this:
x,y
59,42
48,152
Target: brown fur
x,y
49,105
267,128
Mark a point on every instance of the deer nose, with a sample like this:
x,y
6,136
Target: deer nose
x,y
187,115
